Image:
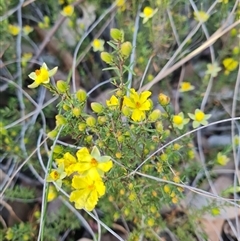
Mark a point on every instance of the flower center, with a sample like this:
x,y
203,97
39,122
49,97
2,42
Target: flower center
x,y
42,75
177,119
55,175
148,11
199,116
97,43
138,105
38,72
91,187
94,162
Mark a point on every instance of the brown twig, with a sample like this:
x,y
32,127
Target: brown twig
x,y
205,45
10,210
50,34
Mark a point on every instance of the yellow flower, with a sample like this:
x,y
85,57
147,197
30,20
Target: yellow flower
x,y
121,4
67,11
213,69
222,159
230,64
139,104
60,120
52,193
113,102
179,121
215,211
201,16
45,23
236,140
98,45
92,164
41,76
199,118
25,58
223,1
163,99
87,192
68,161
186,86
13,29
27,29
56,175
9,234
147,13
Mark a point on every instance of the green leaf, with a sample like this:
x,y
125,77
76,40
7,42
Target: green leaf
x,y
112,45
110,68
127,68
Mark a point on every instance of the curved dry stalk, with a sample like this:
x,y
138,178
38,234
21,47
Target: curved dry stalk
x,y
219,33
10,210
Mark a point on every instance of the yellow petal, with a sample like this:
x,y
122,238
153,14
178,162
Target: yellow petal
x,y
32,75
144,95
33,85
52,71
138,115
105,166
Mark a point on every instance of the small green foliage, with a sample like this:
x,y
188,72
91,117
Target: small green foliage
x,y
131,154
20,192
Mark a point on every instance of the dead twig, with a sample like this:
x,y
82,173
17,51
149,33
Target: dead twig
x,y
205,45
10,210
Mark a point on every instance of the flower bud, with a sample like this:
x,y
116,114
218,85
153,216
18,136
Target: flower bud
x,y
91,121
154,115
164,157
120,93
126,49
76,111
116,34
155,139
62,86
82,127
81,95
89,138
126,111
163,99
167,188
159,126
60,120
118,155
52,134
66,107
97,108
177,147
107,58
120,139
102,120
57,149
100,143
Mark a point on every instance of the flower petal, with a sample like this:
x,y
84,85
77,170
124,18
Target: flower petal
x,y
105,166
32,76
144,95
104,159
195,124
128,102
52,71
101,189
192,116
33,85
145,106
44,66
46,81
138,115
95,153
83,152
